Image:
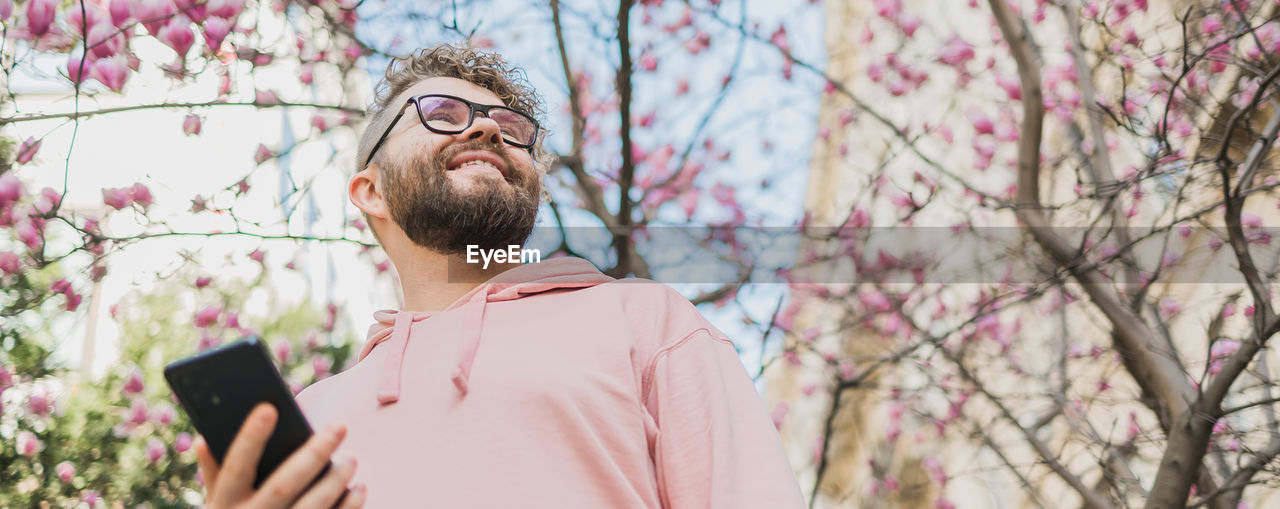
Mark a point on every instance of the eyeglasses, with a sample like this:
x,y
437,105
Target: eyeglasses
x,y
446,114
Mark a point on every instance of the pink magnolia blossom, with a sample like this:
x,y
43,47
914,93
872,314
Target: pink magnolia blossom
x,y
112,72
1211,24
155,450
9,263
699,42
257,255
137,413
93,16
262,154
982,124
191,125
90,497
30,234
215,31
1169,307
133,384
203,281
307,74
163,413
28,443
265,97
282,350
177,34
120,12
78,68
66,472
140,195
40,14
207,316
1223,348
321,365
73,301
182,442
319,122
909,23
648,62
6,9
11,189
38,403
228,9
105,40
116,198
888,8
353,51
208,341
154,14
1011,86
27,150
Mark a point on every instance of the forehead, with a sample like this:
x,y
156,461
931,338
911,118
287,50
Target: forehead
x,y
452,86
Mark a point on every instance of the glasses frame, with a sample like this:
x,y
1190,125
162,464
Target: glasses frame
x,y
471,117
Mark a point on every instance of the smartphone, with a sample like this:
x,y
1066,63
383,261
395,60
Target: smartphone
x,y
218,388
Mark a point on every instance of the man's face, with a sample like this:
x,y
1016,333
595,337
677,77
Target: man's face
x,y
441,202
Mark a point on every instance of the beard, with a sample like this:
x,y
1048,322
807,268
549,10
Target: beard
x,y
437,214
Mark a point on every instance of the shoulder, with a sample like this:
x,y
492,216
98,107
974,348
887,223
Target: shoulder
x,y
318,398
657,311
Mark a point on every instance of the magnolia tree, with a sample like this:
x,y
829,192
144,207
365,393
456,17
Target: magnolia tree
x,y
1061,264
661,114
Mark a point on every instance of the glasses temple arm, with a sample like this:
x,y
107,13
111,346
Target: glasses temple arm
x,y
382,139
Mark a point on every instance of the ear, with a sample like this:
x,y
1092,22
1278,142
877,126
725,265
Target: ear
x,y
365,193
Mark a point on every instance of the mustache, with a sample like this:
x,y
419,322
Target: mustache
x,y
448,153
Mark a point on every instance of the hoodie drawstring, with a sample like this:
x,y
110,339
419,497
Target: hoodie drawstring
x,y
472,326
389,388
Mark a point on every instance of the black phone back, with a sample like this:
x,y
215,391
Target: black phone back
x,y
219,388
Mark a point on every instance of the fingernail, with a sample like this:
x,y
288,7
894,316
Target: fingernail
x,y
335,429
351,462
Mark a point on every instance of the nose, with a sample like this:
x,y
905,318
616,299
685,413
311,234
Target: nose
x,y
483,128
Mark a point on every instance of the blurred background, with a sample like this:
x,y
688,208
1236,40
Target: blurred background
x,y
1001,253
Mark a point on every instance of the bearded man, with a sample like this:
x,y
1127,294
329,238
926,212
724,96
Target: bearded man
x,y
525,385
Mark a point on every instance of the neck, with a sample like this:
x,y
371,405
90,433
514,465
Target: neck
x,y
430,281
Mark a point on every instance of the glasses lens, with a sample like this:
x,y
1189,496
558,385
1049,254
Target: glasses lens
x,y
444,113
516,128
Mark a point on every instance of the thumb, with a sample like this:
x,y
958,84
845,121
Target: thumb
x,y
208,465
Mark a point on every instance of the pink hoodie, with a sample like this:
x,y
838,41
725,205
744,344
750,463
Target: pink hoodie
x,y
552,385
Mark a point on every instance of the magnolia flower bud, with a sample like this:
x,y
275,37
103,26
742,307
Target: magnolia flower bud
x,y
65,471
191,125
27,150
40,14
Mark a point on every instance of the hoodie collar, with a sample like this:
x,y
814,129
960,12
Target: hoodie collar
x,y
393,327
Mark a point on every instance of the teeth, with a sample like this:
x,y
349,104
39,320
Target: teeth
x,y
478,162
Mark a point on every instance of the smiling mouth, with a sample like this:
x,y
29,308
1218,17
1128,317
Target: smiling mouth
x,y
477,164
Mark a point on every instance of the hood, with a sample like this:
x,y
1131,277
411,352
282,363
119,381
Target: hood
x,y
392,328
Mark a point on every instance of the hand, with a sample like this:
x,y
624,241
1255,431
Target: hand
x,y
231,484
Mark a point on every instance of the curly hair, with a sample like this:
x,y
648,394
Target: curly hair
x,y
488,70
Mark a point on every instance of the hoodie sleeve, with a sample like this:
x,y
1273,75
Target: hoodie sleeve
x,y
716,446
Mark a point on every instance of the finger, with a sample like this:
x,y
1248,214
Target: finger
x,y
208,465
241,463
300,468
324,494
355,497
